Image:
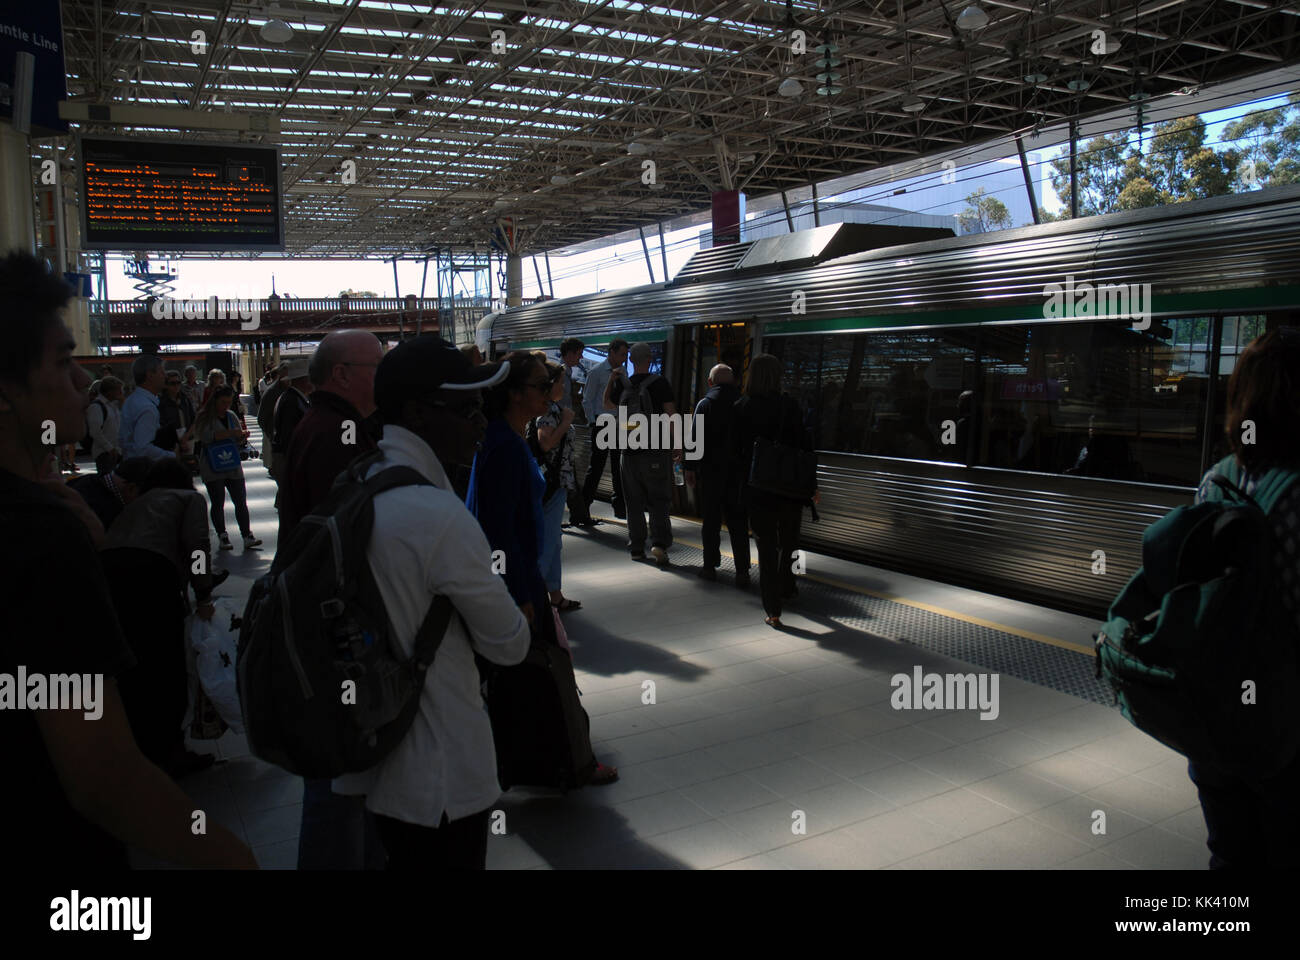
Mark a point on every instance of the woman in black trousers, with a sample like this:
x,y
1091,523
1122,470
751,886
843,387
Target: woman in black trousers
x,y
764,411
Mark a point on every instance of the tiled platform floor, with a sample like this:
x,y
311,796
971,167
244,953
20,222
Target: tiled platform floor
x,y
751,726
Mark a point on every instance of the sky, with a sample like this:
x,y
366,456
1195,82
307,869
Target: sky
x,y
610,268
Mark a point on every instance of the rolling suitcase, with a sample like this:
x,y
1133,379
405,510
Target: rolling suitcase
x,y
542,734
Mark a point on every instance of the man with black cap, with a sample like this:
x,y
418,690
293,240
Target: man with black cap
x,y
107,493
432,795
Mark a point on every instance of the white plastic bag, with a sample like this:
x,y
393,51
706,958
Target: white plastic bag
x,y
214,644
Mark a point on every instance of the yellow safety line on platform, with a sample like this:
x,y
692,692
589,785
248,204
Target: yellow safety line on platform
x,y
892,598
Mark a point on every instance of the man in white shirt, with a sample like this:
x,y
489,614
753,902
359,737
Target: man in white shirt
x,y
140,419
433,794
593,402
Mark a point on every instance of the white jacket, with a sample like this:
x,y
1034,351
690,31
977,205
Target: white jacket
x,y
426,543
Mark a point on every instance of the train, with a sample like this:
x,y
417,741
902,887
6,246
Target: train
x,y
1006,411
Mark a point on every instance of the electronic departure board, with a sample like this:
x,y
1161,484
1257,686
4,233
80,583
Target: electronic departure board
x,y
175,195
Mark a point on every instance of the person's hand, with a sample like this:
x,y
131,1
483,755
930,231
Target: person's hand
x,y
205,610
527,609
817,496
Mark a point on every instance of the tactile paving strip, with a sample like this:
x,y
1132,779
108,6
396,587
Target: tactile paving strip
x,y
1040,663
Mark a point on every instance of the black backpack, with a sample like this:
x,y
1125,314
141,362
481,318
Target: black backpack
x,y
315,624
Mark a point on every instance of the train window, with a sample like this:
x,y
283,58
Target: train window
x,y
1096,399
892,394
1237,334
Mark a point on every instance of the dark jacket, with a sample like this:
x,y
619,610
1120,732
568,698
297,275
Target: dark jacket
x,y
289,411
317,455
718,410
505,496
266,412
774,417
95,489
173,417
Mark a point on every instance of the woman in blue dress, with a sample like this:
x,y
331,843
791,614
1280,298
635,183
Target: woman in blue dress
x,y
505,495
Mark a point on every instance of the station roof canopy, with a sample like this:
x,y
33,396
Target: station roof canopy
x,y
542,113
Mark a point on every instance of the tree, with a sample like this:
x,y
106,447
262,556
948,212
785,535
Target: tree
x,y
359,294
1102,173
1180,167
1268,144
983,213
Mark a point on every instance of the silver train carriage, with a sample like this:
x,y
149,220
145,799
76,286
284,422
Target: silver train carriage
x,y
1005,411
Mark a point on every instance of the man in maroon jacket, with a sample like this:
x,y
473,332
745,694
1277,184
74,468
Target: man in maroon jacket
x,y
331,434
337,833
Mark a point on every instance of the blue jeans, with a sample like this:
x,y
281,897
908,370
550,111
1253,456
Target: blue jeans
x,y
338,832
552,519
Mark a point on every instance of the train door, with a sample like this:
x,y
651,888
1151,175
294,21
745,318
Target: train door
x,y
696,350
704,347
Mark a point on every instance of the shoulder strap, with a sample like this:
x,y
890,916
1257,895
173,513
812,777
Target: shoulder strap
x,y
644,390
391,477
1272,486
434,627
1228,477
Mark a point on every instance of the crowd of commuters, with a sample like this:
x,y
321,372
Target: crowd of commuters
x,y
128,551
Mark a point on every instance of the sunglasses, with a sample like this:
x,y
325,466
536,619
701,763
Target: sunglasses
x,y
466,409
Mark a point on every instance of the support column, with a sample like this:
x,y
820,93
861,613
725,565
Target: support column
x,y
514,280
17,231
728,217
1029,181
646,250
1074,170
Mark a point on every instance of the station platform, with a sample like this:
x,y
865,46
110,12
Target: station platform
x,y
755,732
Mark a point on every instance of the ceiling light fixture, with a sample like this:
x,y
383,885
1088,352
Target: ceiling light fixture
x,y
1079,85
637,149
1112,45
275,30
790,87
828,62
912,103
972,18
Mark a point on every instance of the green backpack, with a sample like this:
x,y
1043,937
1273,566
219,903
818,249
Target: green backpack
x,y
1200,623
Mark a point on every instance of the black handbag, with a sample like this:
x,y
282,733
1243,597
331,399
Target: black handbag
x,y
781,468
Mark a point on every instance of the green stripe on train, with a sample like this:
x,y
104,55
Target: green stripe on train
x,y
631,336
1210,301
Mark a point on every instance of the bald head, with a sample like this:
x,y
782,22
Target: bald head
x,y
344,363
721,374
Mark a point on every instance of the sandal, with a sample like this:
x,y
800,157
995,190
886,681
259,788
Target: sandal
x,y
773,622
566,605
603,776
